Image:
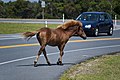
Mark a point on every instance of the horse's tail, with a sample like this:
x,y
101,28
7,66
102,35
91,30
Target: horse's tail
x,y
28,35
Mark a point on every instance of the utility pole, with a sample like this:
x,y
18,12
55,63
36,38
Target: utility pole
x,y
63,18
43,6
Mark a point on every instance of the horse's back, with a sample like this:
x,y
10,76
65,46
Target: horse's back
x,y
52,37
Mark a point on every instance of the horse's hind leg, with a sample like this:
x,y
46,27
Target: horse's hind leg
x,y
39,53
44,52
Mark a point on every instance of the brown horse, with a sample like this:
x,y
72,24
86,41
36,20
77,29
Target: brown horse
x,y
56,37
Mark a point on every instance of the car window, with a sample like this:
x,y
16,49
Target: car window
x,y
102,17
88,17
109,16
106,17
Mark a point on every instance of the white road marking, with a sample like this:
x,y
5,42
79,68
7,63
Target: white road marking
x,y
21,59
9,37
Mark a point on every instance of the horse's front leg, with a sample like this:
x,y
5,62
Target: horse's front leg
x,y
59,62
61,47
39,53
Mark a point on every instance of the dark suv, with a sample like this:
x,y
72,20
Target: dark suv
x,y
96,22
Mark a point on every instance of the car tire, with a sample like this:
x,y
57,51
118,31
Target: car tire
x,y
96,32
110,31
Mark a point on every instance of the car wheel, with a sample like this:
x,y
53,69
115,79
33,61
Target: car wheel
x,y
96,32
110,31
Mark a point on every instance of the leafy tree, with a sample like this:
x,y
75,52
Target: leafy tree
x,y
2,11
55,8
117,6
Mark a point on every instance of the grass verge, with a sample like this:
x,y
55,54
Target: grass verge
x,y
10,28
103,68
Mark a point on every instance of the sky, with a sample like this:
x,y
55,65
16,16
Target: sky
x,y
15,0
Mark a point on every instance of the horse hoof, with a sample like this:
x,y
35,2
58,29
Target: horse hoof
x,y
35,65
59,63
49,64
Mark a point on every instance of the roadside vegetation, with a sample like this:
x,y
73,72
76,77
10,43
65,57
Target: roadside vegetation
x,y
106,67
10,28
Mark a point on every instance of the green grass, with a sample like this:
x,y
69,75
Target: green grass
x,y
102,68
10,28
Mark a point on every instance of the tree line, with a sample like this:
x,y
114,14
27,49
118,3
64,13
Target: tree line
x,y
56,8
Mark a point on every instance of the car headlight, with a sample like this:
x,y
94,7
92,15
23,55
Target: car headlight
x,y
87,26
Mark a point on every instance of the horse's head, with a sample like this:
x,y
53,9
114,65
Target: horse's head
x,y
80,32
75,26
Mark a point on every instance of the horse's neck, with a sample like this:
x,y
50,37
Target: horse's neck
x,y
70,33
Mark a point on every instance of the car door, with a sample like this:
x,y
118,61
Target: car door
x,y
106,23
101,23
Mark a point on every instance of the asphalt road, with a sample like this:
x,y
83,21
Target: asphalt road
x,y
17,56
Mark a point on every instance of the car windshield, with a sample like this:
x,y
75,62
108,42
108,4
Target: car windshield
x,y
88,17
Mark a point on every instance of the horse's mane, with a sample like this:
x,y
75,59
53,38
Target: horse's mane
x,y
70,23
